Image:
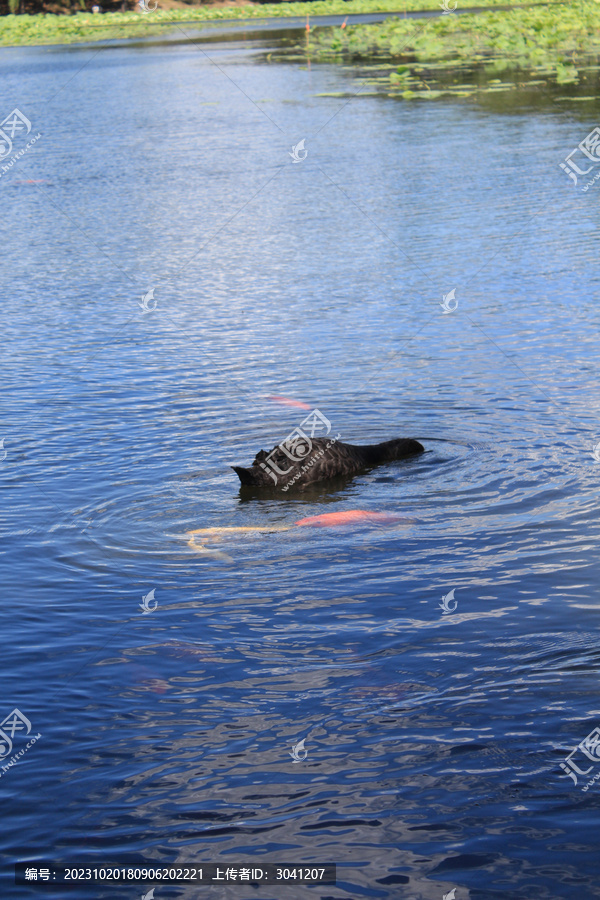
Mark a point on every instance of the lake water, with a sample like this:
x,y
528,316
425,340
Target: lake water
x,y
433,741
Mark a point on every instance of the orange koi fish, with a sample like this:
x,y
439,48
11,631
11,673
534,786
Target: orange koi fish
x,y
349,517
287,402
325,520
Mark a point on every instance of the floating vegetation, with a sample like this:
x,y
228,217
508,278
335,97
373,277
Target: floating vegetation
x,y
558,41
575,99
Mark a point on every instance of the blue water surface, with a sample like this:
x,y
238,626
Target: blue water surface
x,y
433,741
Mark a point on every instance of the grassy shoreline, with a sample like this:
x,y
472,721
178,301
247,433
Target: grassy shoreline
x,y
37,30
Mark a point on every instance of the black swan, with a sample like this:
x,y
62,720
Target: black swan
x,y
300,465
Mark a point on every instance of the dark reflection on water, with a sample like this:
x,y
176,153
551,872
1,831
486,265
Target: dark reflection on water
x,y
433,741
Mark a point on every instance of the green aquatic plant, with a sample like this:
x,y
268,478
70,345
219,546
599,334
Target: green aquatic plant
x,y
554,37
566,74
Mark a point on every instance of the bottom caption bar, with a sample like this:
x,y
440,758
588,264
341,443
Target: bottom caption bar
x,y
47,874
